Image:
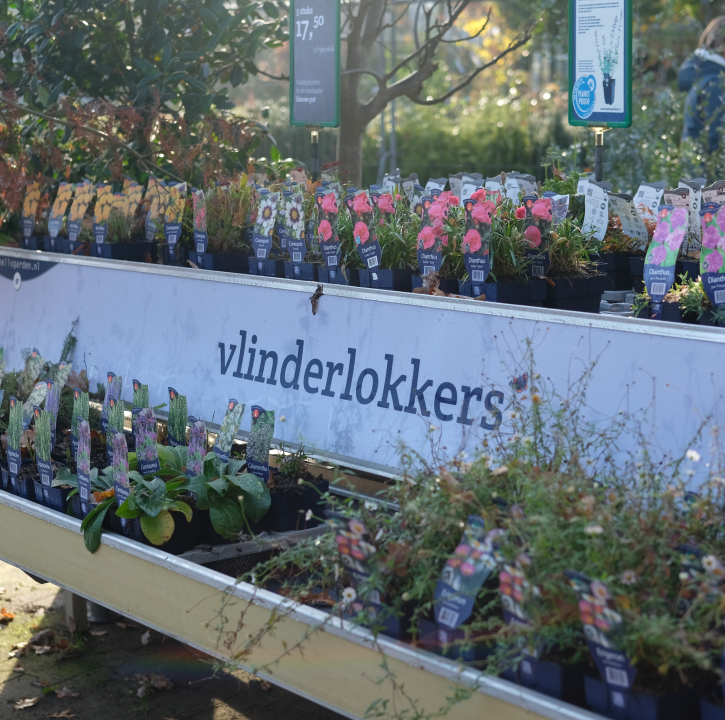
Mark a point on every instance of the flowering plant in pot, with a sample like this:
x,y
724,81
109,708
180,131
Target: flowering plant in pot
x,y
125,230
226,213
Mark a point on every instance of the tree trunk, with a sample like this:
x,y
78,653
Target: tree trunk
x,y
349,137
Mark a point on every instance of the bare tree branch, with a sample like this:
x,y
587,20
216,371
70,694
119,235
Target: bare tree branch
x,y
471,37
273,77
363,72
398,19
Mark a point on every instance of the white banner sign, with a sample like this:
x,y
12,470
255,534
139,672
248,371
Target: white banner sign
x,y
370,371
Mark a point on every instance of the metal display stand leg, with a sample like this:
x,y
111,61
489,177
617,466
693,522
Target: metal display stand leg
x,y
75,611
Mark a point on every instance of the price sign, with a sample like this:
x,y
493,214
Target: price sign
x,y
315,62
600,63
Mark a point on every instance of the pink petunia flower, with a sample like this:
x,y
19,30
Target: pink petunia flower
x,y
710,237
328,203
361,232
533,235
325,229
678,217
520,213
658,255
479,195
361,204
481,213
386,203
713,262
426,238
472,241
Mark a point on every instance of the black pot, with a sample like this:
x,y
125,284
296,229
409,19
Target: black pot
x,y
707,319
23,487
30,243
266,268
312,500
4,478
636,270
180,255
221,262
132,252
565,682
40,496
334,276
284,512
76,247
386,622
207,535
445,285
711,711
580,294
616,268
452,643
301,271
613,702
181,541
397,279
61,244
672,312
608,87
531,293
689,268
50,244
58,498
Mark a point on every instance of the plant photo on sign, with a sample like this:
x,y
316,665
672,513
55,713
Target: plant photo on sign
x,y
608,56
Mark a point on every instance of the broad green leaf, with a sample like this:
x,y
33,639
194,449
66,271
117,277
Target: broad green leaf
x,y
150,496
209,18
226,518
125,511
166,57
237,76
144,66
175,77
91,525
65,477
182,507
220,484
271,9
256,499
274,154
234,466
43,95
158,529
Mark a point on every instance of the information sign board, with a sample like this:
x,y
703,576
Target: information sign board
x,y
315,62
600,63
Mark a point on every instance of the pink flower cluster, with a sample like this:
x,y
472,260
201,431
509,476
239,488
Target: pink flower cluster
x,y
472,241
658,255
713,262
520,213
325,229
361,204
361,233
426,238
479,195
448,198
328,203
386,203
541,209
482,211
533,235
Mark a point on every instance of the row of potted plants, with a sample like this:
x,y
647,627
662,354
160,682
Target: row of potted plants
x,y
594,578
174,493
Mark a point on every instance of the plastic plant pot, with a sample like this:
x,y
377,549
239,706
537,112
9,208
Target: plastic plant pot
x,y
301,271
445,285
580,294
398,279
221,262
30,243
334,276
266,268
132,252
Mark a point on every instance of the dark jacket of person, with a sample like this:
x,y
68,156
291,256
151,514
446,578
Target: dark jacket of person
x,y
704,82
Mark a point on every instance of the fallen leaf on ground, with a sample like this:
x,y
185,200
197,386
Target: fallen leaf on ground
x,y
152,682
99,633
44,637
65,692
64,714
17,668
62,645
17,650
146,637
26,703
126,626
5,616
42,649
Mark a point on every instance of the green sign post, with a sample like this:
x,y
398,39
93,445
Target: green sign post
x,y
600,68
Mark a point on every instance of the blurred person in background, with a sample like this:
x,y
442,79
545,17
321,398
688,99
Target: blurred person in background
x,y
702,76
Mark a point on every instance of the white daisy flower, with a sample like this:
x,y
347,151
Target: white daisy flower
x,y
693,455
628,577
348,595
593,529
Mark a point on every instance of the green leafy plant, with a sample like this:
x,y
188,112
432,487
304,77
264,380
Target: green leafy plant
x,y
141,396
15,425
231,499
571,250
153,501
81,408
42,435
177,417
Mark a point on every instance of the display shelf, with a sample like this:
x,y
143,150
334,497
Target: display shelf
x,y
338,666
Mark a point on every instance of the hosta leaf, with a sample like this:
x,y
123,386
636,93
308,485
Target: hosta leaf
x,y
158,529
256,499
226,518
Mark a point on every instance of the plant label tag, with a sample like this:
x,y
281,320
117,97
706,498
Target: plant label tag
x,y
74,230
100,232
260,440
463,574
228,431
197,447
695,203
83,463
648,198
456,184
147,454
409,184
435,184
45,470
596,209
712,255
539,217
602,624
262,245
176,425
114,386
559,207
13,461
54,226
659,264
583,182
172,233
633,225
28,225
714,193
476,245
201,240
119,466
